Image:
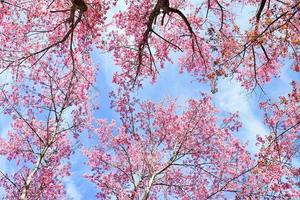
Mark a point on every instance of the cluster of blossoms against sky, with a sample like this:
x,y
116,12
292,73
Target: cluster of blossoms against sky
x,y
49,94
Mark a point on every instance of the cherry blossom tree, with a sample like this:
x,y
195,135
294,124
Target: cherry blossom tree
x,y
164,153
192,156
159,150
45,48
276,175
208,39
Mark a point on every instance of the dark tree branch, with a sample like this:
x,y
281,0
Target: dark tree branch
x,y
261,8
166,9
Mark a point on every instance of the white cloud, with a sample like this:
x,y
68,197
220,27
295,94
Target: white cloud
x,y
72,191
107,67
231,98
4,167
4,127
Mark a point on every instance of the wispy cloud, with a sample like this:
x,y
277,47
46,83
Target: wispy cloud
x,y
231,98
4,128
72,191
4,166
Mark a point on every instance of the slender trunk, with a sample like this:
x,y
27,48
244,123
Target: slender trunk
x,y
31,175
147,192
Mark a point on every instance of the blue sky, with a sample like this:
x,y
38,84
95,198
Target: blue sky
x,y
230,98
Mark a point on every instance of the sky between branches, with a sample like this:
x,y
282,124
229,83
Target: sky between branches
x,y
229,98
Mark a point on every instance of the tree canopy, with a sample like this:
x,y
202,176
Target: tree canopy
x,y
159,150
